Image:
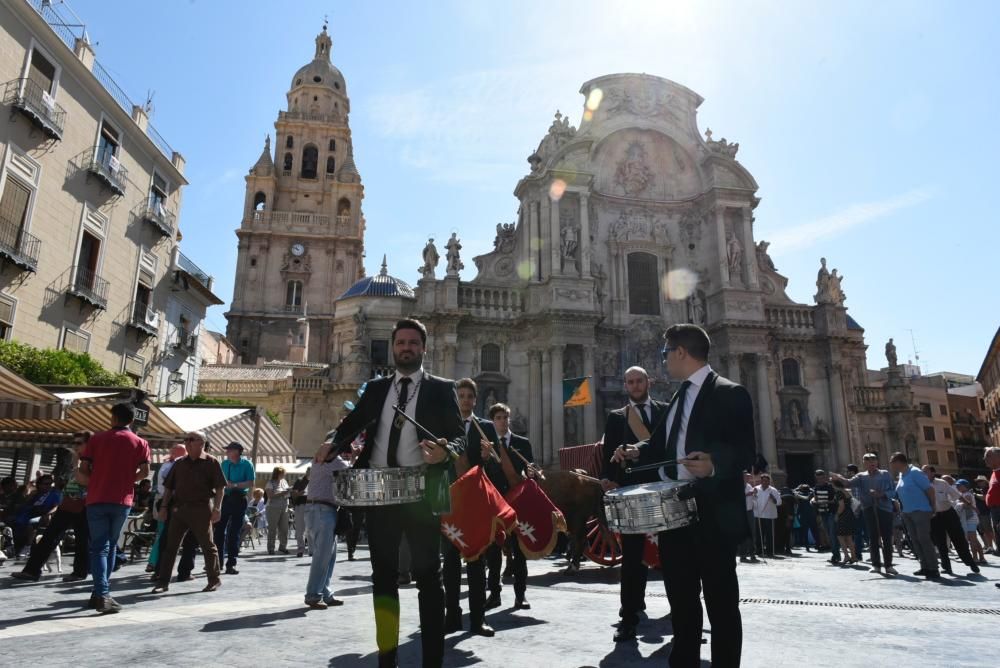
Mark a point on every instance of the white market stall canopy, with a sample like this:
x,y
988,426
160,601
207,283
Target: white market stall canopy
x,y
225,424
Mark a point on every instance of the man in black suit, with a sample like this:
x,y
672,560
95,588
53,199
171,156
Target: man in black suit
x,y
710,431
475,570
512,443
393,442
630,424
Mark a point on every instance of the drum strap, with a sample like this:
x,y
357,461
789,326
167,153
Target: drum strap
x,y
636,424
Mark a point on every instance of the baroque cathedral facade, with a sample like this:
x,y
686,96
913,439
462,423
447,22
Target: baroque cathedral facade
x,y
628,223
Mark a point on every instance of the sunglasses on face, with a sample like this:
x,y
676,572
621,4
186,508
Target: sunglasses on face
x,y
666,351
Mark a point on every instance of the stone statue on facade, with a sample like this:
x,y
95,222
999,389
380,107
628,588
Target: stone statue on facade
x,y
569,242
734,255
890,354
828,290
764,260
696,308
431,259
504,240
722,146
454,261
795,418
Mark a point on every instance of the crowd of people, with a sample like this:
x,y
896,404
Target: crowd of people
x,y
702,440
904,510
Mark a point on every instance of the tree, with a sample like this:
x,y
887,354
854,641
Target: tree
x,y
49,366
220,401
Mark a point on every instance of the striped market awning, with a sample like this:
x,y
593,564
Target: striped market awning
x,y
23,400
225,424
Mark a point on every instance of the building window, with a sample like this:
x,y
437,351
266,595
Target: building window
x,y
42,72
289,142
344,207
293,293
490,357
134,366
943,409
7,305
333,144
925,409
947,433
643,284
928,433
107,146
259,201
951,456
74,340
158,194
310,159
253,262
932,457
331,165
790,372
14,212
380,352
287,165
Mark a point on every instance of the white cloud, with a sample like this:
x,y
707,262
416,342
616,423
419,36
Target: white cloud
x,y
809,233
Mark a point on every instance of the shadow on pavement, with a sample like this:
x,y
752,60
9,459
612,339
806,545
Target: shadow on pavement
x,y
253,621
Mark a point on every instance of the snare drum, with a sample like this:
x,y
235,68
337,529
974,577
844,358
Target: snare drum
x,y
379,487
649,508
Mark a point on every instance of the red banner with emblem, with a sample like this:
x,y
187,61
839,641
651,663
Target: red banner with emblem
x,y
479,515
539,521
651,551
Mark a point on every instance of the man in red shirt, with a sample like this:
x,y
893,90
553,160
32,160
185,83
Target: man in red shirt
x,y
991,456
110,465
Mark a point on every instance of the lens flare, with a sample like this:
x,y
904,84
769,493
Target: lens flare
x,y
557,189
525,270
594,99
679,283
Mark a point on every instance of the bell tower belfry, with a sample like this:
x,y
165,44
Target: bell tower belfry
x,y
301,239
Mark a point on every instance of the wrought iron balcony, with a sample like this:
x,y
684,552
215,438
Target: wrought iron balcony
x,y
187,265
186,341
103,164
293,308
143,319
153,212
17,245
89,287
33,101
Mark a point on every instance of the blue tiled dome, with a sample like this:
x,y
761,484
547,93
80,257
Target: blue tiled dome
x,y
380,285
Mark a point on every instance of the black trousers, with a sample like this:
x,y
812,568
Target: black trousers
x,y
696,558
386,527
946,525
494,561
634,575
61,521
452,573
883,528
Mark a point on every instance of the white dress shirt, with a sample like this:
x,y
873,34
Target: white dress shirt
x,y
697,379
408,453
765,504
945,496
647,409
748,490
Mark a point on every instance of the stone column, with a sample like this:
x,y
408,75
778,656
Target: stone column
x,y
448,366
749,250
614,288
545,441
590,410
557,409
585,234
838,416
720,230
554,237
535,398
767,443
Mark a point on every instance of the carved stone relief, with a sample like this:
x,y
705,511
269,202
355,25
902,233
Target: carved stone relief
x,y
632,174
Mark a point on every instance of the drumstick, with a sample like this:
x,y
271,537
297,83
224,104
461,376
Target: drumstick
x,y
493,451
420,427
531,465
649,467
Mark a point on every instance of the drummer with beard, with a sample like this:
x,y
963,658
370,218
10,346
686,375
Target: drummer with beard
x,y
392,442
630,424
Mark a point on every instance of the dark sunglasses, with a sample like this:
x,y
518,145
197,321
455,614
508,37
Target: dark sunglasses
x,y
666,352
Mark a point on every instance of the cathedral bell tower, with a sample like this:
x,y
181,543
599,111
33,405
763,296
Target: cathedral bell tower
x,y
301,240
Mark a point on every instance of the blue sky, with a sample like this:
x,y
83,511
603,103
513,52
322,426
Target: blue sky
x,y
870,127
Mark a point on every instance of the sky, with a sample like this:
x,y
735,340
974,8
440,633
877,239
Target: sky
x,y
869,127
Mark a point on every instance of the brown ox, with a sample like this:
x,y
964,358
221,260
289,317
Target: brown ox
x,y
579,498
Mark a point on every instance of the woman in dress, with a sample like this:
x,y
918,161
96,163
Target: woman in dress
x,y
277,490
966,509
845,522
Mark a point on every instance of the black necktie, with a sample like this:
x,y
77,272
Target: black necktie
x,y
642,413
675,429
404,387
